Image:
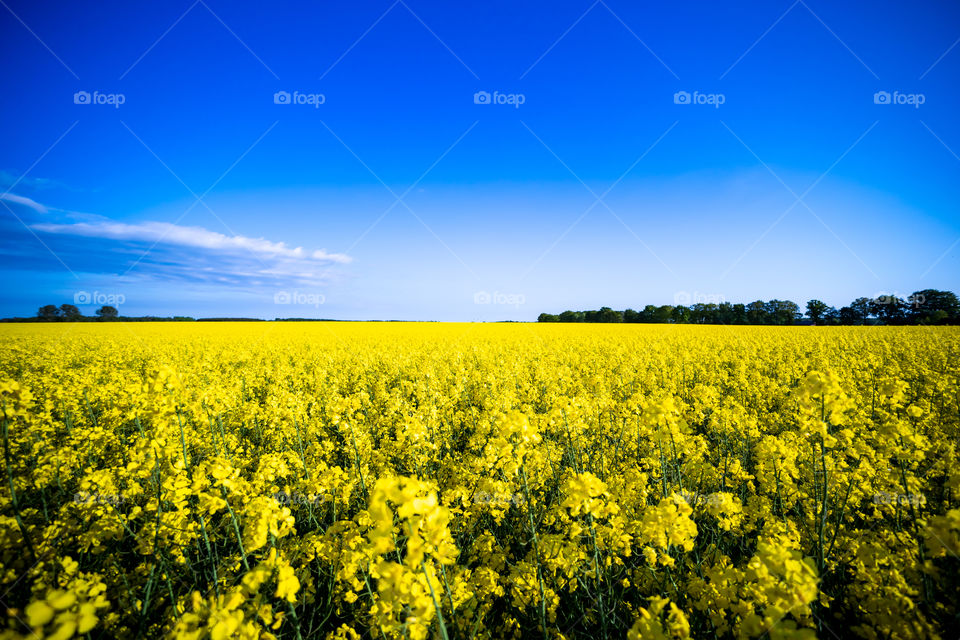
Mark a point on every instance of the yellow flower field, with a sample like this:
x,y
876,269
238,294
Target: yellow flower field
x,y
313,480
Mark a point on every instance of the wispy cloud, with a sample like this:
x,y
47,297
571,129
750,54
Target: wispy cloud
x,y
25,201
199,237
157,251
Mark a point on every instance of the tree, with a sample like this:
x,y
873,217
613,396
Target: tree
x,y
782,311
757,312
649,313
680,314
48,312
889,309
926,307
847,315
931,306
606,314
69,312
703,313
111,313
860,309
663,314
816,310
726,313
739,314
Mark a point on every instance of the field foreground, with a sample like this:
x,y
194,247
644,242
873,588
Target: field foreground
x,y
302,480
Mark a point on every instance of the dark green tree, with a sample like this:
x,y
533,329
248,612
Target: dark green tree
x,y
861,310
69,312
816,310
606,314
757,312
739,314
663,314
48,312
725,313
848,316
680,314
889,309
783,312
931,306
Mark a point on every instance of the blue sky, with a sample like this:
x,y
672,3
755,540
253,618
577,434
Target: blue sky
x,y
474,160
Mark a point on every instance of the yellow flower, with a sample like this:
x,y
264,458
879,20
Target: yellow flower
x,y
39,613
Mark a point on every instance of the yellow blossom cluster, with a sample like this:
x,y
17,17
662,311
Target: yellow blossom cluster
x,y
371,480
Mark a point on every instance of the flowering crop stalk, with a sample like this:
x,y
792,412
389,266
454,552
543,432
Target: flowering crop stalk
x,y
290,608
216,446
86,402
236,529
433,596
446,587
356,453
822,520
213,558
596,571
183,441
536,550
916,533
148,591
303,458
223,436
13,491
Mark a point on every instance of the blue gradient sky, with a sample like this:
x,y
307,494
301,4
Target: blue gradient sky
x,y
399,197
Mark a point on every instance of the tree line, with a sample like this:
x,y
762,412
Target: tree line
x,y
106,313
926,307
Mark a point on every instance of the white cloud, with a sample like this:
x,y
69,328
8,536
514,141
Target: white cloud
x,y
25,201
199,237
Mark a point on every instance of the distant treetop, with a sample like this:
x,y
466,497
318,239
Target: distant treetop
x,y
926,307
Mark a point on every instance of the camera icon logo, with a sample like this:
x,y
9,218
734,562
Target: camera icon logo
x,y
481,97
881,97
481,297
281,97
81,297
81,97
281,297
681,298
681,97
